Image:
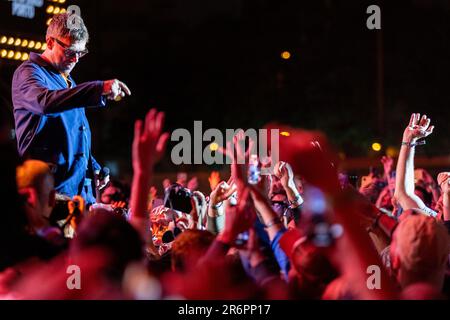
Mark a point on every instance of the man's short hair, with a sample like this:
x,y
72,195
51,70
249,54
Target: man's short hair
x,y
59,27
31,174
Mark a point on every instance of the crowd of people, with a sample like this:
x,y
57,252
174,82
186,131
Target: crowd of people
x,y
302,232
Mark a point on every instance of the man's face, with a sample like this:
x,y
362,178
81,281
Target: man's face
x,y
109,193
65,53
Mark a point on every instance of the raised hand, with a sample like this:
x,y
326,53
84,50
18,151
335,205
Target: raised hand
x,y
149,144
283,171
214,180
418,128
238,218
444,182
222,193
388,165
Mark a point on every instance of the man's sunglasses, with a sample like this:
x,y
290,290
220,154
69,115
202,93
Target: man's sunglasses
x,y
69,53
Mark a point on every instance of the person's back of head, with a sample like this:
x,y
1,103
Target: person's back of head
x,y
35,183
421,291
114,236
189,247
419,251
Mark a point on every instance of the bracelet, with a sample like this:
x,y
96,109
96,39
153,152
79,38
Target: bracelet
x,y
295,202
217,206
412,145
272,223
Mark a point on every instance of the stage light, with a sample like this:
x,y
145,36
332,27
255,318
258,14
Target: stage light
x,y
17,56
57,10
49,21
10,41
50,9
24,43
286,55
31,44
38,45
44,46
376,147
285,134
17,42
213,147
10,54
62,11
3,53
3,40
62,1
25,56
392,152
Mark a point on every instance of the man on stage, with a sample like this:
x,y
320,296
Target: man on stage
x,y
49,108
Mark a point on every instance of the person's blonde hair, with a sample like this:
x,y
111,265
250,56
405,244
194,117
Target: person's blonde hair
x,y
31,174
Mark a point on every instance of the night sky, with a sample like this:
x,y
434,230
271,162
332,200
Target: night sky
x,y
220,62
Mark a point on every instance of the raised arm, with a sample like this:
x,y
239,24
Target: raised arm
x,y
444,182
148,147
418,128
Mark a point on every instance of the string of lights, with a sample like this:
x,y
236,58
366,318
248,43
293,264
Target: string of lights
x,y
17,48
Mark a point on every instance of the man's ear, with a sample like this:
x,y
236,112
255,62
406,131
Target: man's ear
x,y
50,43
31,197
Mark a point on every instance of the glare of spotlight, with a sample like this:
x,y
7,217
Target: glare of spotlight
x,y
3,40
24,43
25,56
17,42
285,134
31,44
213,147
392,152
62,1
44,46
10,40
57,10
18,55
63,11
10,54
38,45
50,9
376,147
286,55
3,53
49,21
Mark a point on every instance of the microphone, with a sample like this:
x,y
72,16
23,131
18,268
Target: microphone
x,y
99,176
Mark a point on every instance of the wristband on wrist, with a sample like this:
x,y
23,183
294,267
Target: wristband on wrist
x,y
217,206
274,222
414,144
295,203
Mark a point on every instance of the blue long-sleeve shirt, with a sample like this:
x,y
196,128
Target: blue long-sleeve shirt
x,y
51,123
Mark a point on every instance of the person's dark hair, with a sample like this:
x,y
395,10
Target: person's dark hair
x,y
112,233
187,244
124,193
314,270
426,196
